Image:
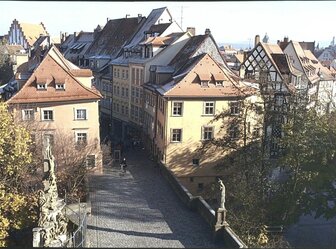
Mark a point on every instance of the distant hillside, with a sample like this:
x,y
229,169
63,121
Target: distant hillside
x,y
244,45
241,45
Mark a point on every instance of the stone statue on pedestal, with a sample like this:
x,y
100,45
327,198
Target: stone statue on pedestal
x,y
221,211
221,198
52,223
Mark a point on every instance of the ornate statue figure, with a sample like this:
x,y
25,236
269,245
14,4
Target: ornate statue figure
x,y
49,158
221,196
52,221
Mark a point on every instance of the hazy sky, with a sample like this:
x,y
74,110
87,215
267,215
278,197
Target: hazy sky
x,y
229,22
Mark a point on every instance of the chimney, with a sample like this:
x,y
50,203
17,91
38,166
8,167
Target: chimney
x,y
207,31
75,36
191,30
286,39
107,19
127,15
256,40
139,18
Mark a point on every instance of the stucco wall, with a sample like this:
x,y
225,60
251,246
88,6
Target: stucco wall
x,y
64,118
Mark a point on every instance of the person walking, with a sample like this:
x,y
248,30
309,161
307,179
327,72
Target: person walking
x,y
123,165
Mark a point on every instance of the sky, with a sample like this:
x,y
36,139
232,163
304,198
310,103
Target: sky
x,y
229,21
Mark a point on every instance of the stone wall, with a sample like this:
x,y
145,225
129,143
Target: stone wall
x,y
198,204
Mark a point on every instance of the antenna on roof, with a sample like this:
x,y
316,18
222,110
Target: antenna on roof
x,y
181,16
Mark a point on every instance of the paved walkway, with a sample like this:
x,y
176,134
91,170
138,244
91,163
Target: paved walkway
x,y
139,209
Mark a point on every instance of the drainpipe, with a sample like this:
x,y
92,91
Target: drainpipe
x,y
165,136
155,122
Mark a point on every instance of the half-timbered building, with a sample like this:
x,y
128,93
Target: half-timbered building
x,y
268,66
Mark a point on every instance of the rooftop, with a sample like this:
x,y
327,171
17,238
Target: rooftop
x,y
55,69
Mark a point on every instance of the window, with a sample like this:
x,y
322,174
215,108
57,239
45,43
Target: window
x,y
195,162
91,161
48,115
209,108
219,83
191,179
234,108
177,108
60,86
137,74
126,73
234,132
208,132
256,132
176,135
133,75
42,86
81,138
81,114
141,77
204,83
28,114
200,187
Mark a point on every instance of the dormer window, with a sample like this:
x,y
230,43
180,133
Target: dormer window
x,y
204,83
204,78
219,83
60,86
41,86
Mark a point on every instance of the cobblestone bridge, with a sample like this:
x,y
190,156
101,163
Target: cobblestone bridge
x,y
139,209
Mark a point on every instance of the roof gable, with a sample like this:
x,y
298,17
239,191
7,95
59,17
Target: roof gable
x,y
208,70
51,71
260,58
32,31
307,61
153,23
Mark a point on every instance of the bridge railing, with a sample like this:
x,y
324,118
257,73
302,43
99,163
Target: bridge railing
x,y
198,204
77,215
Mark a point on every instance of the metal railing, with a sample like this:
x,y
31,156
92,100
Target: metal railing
x,y
78,217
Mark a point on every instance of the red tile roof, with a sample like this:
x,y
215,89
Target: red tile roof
x,y
204,69
55,69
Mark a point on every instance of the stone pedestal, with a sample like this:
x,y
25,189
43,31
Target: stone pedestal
x,y
37,237
220,222
220,219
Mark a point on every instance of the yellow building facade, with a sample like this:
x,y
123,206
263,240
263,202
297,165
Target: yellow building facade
x,y
57,103
180,117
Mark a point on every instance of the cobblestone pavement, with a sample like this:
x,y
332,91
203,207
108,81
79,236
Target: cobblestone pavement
x,y
139,209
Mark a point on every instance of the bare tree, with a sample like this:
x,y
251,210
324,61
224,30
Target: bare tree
x,y
74,159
